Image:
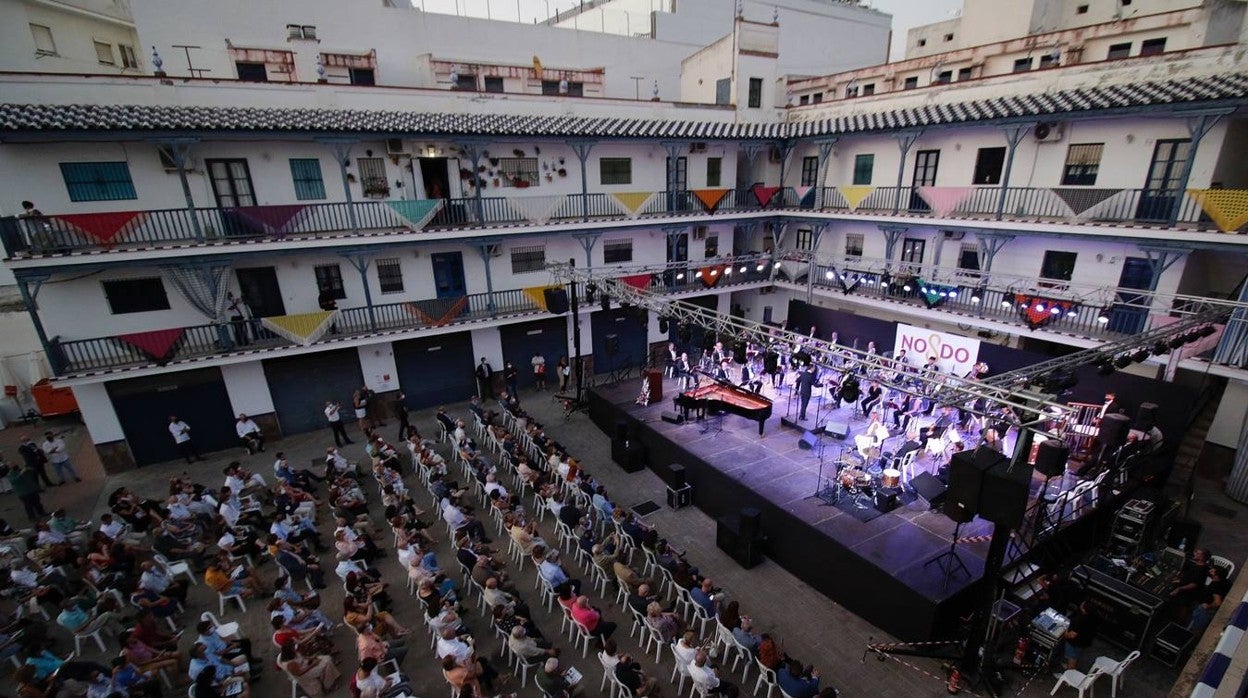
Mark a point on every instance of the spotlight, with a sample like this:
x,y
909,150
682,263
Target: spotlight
x,y
923,290
680,276
776,263
1176,342
1071,312
1103,316
1039,307
828,274
1105,367
606,302
906,288
697,274
1207,330
1140,356
1123,361
1005,303
1160,348
760,267
952,294
727,272
741,270
945,294
1055,310
714,272
1023,305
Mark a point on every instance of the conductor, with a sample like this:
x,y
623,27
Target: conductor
x,y
806,381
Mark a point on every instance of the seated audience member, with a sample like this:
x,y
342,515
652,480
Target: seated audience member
x,y
629,673
796,682
705,676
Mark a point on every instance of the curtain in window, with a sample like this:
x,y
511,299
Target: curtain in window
x,y
203,287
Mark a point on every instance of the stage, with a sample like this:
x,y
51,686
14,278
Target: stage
x,y
877,569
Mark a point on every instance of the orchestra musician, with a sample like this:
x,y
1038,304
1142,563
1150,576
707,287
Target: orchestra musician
x,y
871,398
978,371
718,354
771,365
750,379
901,411
807,379
684,372
673,357
721,372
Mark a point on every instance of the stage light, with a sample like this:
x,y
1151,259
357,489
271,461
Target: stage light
x,y
1160,348
945,294
1071,312
1207,330
714,272
1176,342
1039,307
697,274
1055,310
1140,356
741,270
952,294
1103,316
727,272
606,302
922,289
1123,361
1105,367
680,276
776,263
760,267
1005,303
828,274
906,288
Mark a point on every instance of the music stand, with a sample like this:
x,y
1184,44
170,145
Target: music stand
x,y
949,560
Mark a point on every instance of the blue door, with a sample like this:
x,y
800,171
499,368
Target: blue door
x,y
436,370
1129,313
548,337
301,385
619,339
198,397
448,274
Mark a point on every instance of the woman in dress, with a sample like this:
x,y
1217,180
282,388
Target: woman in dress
x,y
316,676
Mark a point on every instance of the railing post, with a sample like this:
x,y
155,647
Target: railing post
x,y
825,151
989,245
361,264
180,152
783,148
672,148
582,148
342,155
29,297
1013,135
472,151
751,151
588,241
486,249
1197,127
905,141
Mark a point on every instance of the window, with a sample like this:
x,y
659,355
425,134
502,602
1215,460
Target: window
x,y
466,82
518,172
817,98
1153,47
712,246
714,171
493,84
301,31
44,45
864,166
805,240
1050,60
362,76
910,83
390,275
104,53
851,90
306,174
1059,266
988,165
528,259
329,280
810,171
1081,10
231,182
617,251
948,37
912,250
868,90
1119,51
1022,65
968,257
965,73
756,93
944,77
373,180
136,295
128,59
723,91
803,100
98,181
575,89
251,72
853,245
922,43
1082,162
615,171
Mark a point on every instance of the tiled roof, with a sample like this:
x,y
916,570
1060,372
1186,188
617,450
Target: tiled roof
x,y
80,117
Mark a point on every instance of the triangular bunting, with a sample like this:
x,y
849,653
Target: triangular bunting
x,y
437,312
304,328
416,213
935,295
1037,311
855,195
1227,207
763,194
537,294
267,220
631,202
944,200
157,344
1080,200
805,196
710,275
638,281
710,198
103,227
536,209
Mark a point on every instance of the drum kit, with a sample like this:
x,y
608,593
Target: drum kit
x,y
864,483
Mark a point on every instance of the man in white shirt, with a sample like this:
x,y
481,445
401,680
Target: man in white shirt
x,y
181,432
704,676
451,645
249,434
333,415
54,447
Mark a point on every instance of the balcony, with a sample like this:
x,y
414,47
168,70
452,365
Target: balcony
x,y
71,357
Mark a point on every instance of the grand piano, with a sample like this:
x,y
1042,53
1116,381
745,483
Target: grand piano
x,y
721,396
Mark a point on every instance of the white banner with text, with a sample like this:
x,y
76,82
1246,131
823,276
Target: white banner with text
x,y
955,355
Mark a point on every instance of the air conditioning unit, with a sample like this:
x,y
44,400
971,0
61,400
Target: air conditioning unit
x,y
395,146
699,147
169,163
294,31
954,234
1050,132
699,232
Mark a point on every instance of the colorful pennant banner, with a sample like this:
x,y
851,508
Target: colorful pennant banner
x,y
536,209
1038,311
631,203
1080,200
944,200
302,329
537,294
710,275
275,221
764,194
103,227
437,312
805,196
710,198
855,195
159,345
1227,207
935,295
638,281
416,213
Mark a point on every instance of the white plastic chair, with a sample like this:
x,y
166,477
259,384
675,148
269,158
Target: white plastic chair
x,y
765,676
1223,564
175,568
237,598
91,631
1078,680
680,669
1114,669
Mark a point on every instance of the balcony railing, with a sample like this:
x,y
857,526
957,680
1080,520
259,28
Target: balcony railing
x,y
73,356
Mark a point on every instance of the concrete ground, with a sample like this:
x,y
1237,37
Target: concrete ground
x,y
812,628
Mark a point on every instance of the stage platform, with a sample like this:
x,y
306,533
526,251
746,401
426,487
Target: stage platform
x,y
878,569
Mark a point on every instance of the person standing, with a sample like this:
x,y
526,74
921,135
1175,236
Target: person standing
x,y
807,379
539,370
35,459
564,372
54,448
238,312
181,432
400,413
25,482
376,413
249,434
512,377
360,402
333,415
485,373
1079,636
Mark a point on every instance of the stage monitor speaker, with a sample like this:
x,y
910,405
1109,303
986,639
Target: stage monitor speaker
x,y
677,479
1114,428
808,441
1051,457
837,429
1146,416
747,551
611,344
751,522
672,417
630,456
556,300
1003,497
621,430
930,489
887,499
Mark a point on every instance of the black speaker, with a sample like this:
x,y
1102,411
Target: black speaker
x,y
684,334
1114,428
621,430
1051,457
751,522
672,417
887,498
677,478
556,300
1003,497
738,352
966,479
808,441
746,550
611,344
1146,416
837,429
630,457
930,489
771,362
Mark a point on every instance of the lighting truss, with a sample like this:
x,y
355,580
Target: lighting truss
x,y
1028,406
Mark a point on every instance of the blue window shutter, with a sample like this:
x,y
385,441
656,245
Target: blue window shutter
x,y
306,174
98,181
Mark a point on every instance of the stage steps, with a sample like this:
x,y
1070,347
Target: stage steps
x,y
1188,454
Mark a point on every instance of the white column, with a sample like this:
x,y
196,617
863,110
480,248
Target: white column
x,y
380,372
248,388
487,342
98,413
